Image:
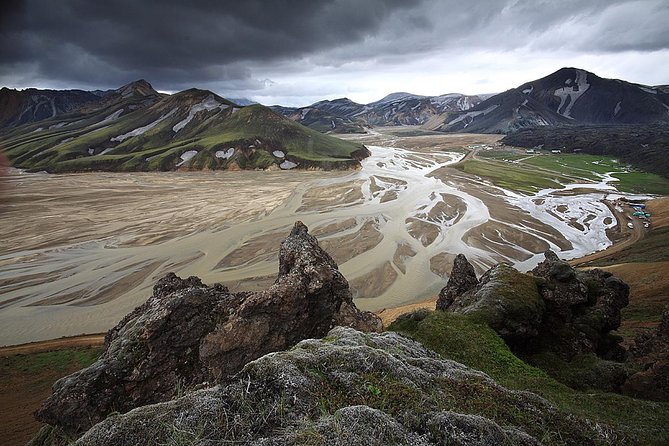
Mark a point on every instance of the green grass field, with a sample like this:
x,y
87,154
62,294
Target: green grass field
x,y
59,360
529,173
512,176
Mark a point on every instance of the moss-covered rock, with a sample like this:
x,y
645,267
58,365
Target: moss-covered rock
x,y
350,388
506,300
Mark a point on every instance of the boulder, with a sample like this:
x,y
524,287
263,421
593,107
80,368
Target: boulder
x,y
582,308
462,279
556,309
350,388
187,334
507,300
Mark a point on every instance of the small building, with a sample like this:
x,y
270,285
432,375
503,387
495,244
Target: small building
x,y
530,151
556,151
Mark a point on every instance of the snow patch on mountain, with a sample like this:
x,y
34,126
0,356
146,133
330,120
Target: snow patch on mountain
x,y
225,154
208,104
471,115
186,156
141,130
648,90
113,117
572,93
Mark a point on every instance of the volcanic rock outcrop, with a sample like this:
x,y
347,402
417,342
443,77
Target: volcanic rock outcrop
x,y
187,334
349,388
556,309
650,352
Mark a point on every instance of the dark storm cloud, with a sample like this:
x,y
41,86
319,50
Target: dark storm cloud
x,y
238,44
175,40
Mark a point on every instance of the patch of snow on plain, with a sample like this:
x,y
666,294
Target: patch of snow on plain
x,y
225,154
57,126
186,156
333,124
208,104
91,151
279,154
37,130
105,151
146,128
568,92
617,109
288,165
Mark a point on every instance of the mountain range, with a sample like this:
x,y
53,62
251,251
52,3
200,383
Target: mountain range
x,y
345,116
137,128
568,97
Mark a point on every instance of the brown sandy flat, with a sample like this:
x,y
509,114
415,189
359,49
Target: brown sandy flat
x,y
388,315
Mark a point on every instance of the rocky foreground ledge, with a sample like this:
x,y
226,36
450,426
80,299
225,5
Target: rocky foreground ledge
x,y
188,334
349,388
199,365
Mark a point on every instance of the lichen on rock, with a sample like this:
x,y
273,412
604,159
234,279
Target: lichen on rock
x,y
349,388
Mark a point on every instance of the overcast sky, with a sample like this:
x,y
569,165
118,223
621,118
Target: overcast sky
x,y
297,52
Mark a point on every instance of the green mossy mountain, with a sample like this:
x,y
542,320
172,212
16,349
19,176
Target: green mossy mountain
x,y
137,129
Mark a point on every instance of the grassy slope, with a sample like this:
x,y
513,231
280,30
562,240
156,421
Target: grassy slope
x,y
160,148
644,267
459,338
26,380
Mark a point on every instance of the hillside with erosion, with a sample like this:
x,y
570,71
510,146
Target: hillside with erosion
x,y
134,128
505,358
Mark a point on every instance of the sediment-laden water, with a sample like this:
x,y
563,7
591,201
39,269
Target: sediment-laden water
x,y
82,250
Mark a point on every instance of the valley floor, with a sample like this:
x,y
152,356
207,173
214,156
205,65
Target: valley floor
x,y
82,250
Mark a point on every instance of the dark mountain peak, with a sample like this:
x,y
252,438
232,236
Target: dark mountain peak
x,y
137,88
197,95
392,97
568,96
338,101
